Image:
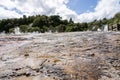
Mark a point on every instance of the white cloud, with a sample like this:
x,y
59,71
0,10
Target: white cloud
x,y
8,14
33,7
17,8
104,8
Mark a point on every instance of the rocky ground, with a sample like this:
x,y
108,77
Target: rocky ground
x,y
60,56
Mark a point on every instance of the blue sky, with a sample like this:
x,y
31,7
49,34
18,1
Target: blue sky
x,y
82,6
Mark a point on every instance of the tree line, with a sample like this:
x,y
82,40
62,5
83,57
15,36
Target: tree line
x,y
43,23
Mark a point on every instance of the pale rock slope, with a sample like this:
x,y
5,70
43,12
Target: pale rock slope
x,y
60,56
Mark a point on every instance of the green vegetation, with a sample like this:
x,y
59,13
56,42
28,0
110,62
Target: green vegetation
x,y
42,23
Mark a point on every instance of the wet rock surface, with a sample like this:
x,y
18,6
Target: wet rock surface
x,y
60,56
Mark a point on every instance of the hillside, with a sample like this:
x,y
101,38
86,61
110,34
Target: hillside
x,y
43,23
60,56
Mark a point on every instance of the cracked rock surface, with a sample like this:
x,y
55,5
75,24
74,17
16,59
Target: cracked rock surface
x,y
60,56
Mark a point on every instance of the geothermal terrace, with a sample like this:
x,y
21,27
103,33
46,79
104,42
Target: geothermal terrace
x,y
60,56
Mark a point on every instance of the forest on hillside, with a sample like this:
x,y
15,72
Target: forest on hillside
x,y
43,23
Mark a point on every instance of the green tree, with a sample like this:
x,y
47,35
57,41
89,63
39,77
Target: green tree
x,y
25,20
24,28
64,22
71,21
84,26
70,28
40,21
117,18
104,21
60,28
11,30
54,20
